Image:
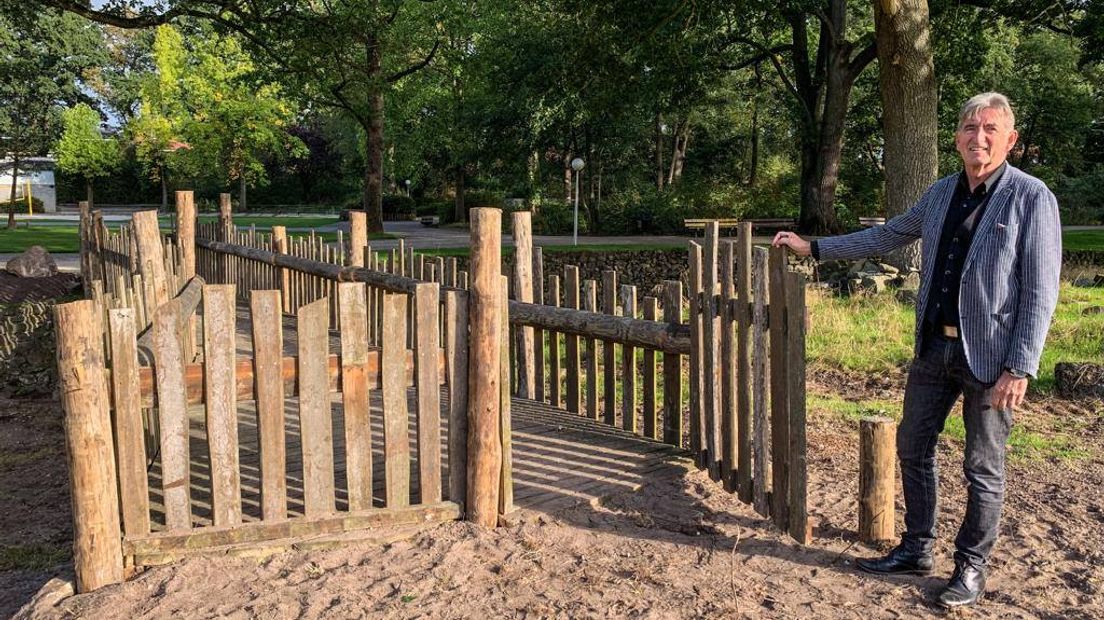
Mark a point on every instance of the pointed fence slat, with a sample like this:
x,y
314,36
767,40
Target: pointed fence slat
x,y
795,387
571,341
315,419
651,418
426,347
628,365
354,394
590,304
130,443
221,405
539,392
760,383
554,394
456,347
780,412
672,369
711,354
268,344
396,433
173,414
609,352
743,362
728,370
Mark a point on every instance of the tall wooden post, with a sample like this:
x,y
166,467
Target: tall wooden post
x,y
279,246
876,466
97,541
185,233
151,259
484,406
358,237
523,291
85,234
226,218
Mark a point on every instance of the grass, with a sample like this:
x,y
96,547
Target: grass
x,y
53,238
1083,240
32,557
874,333
552,249
1023,444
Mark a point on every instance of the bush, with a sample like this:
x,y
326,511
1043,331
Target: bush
x,y
1081,199
397,207
475,198
21,206
554,218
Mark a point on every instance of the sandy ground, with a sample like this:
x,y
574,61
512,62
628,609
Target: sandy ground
x,y
679,547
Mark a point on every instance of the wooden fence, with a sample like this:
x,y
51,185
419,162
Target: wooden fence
x,y
721,375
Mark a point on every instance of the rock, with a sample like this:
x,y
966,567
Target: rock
x,y
875,283
907,296
886,268
1079,380
1092,310
911,280
35,262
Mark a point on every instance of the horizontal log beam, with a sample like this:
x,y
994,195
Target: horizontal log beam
x,y
262,531
665,337
189,299
245,384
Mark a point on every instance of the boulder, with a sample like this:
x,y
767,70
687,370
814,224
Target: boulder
x,y
1092,310
907,296
1079,380
911,280
35,262
875,283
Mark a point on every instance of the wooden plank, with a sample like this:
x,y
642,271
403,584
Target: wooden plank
x,y
571,341
780,434
590,304
426,344
554,395
456,347
485,355
743,363
697,389
268,345
651,415
358,236
795,386
130,446
185,233
728,442
315,416
97,556
711,354
150,257
609,352
506,478
538,333
260,531
672,369
173,416
628,365
523,292
222,414
396,433
354,393
760,374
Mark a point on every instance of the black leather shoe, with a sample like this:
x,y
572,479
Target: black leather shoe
x,y
898,562
966,586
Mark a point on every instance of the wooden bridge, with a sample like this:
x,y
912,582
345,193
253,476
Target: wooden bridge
x,y
243,388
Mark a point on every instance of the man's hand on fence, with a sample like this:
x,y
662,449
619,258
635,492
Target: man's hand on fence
x,y
796,244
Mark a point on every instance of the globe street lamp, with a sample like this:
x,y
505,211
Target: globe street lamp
x,y
407,183
576,165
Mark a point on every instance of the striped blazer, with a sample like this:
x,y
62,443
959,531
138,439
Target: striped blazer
x,y
1010,277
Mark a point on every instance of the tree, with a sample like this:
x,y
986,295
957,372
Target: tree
x,y
42,57
343,55
82,150
910,99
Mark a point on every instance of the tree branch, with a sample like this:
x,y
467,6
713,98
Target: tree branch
x,y
778,49
395,77
863,58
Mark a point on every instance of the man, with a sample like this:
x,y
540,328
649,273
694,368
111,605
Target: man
x,y
991,256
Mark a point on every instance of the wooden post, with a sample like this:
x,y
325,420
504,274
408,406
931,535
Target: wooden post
x,y
283,280
225,217
571,341
628,364
523,292
538,334
554,347
426,351
485,354
85,245
185,233
711,354
354,393
506,480
743,362
221,403
797,501
672,369
609,350
780,433
590,304
876,466
97,540
268,345
760,378
358,237
151,259
728,370
651,426
697,430
456,349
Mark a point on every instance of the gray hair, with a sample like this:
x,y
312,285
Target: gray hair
x,y
974,105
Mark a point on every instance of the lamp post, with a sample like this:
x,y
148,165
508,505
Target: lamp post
x,y
407,183
576,165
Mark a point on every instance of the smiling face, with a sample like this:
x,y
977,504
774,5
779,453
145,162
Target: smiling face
x,y
984,141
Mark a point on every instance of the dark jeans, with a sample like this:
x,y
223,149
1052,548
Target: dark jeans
x,y
937,377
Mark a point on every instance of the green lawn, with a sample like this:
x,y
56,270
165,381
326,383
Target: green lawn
x,y
1083,240
53,238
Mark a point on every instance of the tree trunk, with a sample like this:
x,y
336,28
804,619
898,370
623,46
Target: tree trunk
x,y
659,151
373,171
88,190
678,153
461,211
14,186
818,209
164,188
242,204
568,178
753,172
910,97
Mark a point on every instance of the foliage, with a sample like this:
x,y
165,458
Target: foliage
x,y
82,150
397,207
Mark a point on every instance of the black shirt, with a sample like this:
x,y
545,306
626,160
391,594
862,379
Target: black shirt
x,y
963,215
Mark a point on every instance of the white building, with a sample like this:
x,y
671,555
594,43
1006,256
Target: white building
x,y
39,171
